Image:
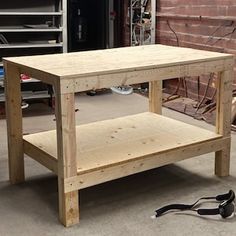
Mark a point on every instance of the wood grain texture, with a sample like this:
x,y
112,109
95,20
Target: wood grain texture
x,y
223,120
224,102
66,135
14,124
222,160
101,151
66,154
74,83
120,140
145,163
80,64
68,205
41,157
155,97
82,71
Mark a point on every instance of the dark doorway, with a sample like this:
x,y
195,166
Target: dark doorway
x,y
90,23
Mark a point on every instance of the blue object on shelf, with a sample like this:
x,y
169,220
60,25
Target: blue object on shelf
x,y
1,72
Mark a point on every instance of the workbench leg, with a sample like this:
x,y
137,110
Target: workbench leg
x,y
223,120
155,97
222,162
66,150
68,205
14,124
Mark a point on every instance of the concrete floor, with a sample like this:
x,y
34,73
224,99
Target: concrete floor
x,y
122,207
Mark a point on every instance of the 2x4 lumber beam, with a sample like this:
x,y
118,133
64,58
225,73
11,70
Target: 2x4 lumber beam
x,y
155,97
66,151
223,120
77,84
14,123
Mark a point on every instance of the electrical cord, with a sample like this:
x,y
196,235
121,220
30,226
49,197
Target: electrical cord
x,y
172,30
218,28
224,36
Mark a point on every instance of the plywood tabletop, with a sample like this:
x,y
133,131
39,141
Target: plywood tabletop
x,y
108,61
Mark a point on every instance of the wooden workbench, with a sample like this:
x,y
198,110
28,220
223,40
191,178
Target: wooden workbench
x,y
90,154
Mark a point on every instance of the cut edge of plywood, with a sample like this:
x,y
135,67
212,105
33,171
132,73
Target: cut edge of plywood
x,y
121,140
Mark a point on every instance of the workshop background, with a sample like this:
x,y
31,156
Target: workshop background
x,y
124,206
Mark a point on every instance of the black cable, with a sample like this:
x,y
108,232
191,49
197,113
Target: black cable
x,y
181,207
222,37
177,39
211,36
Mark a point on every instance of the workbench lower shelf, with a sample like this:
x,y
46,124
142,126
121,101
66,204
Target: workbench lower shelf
x,y
119,141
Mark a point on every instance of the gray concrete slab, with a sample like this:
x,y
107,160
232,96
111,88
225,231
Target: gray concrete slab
x,y
121,207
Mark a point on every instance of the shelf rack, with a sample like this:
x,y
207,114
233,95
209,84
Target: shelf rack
x,y
16,16
32,45
142,22
26,30
11,13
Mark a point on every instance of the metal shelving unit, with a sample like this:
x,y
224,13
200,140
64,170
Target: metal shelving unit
x,y
30,28
20,21
142,22
30,95
31,45
26,30
11,13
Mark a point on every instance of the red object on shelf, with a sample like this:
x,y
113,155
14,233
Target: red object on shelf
x,y
24,77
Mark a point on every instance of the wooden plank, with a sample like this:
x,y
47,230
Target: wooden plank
x,y
118,60
66,153
155,97
224,102
68,205
14,124
223,120
66,135
146,163
222,160
125,139
78,84
41,157
36,74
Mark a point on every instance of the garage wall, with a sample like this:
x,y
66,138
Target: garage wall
x,y
200,24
